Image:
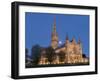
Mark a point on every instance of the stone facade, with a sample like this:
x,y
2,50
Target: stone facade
x,y
71,50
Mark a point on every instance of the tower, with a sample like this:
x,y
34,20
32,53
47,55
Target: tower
x,y
54,37
80,46
43,59
66,50
73,46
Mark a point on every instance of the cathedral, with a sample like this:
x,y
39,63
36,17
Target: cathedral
x,y
68,53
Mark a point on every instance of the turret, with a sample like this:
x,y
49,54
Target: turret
x,y
80,46
67,41
73,41
79,41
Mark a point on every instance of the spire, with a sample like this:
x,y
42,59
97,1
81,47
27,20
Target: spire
x,y
54,25
66,37
54,37
79,41
73,40
54,21
67,41
54,32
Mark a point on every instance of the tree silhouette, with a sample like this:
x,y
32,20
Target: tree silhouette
x,y
35,53
26,54
84,56
50,54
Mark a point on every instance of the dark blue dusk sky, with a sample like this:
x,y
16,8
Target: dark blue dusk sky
x,y
38,28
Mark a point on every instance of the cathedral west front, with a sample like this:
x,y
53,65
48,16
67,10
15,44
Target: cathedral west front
x,y
69,53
